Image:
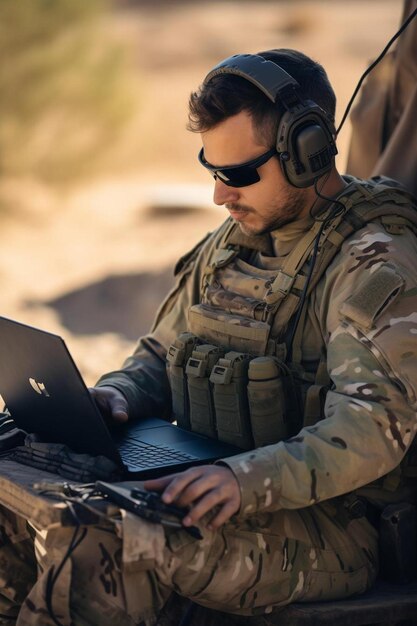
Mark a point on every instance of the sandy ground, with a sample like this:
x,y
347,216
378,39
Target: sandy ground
x,y
92,262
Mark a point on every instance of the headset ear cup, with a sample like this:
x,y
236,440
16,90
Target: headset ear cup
x,y
306,146
312,148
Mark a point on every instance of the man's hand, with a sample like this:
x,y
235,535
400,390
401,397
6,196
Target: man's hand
x,y
203,488
111,402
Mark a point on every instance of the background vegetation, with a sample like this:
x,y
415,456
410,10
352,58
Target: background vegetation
x,y
64,84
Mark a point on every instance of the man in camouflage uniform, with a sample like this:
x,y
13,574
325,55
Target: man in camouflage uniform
x,y
280,522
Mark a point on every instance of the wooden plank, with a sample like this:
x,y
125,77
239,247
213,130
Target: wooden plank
x,y
17,494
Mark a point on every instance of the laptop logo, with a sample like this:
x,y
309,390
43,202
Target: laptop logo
x,y
38,387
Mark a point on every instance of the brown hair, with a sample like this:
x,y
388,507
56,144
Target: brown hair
x,y
226,95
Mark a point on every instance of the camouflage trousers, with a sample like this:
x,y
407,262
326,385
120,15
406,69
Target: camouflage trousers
x,y
247,567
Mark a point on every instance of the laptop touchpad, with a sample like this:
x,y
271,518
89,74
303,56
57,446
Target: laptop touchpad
x,y
163,435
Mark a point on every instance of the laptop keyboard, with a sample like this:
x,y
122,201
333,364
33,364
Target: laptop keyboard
x,y
147,455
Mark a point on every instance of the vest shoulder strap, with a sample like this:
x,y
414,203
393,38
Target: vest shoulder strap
x,y
368,201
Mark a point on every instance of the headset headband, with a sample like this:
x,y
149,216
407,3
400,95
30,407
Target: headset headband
x,y
266,75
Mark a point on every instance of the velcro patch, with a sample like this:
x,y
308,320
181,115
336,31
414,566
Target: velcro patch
x,y
373,296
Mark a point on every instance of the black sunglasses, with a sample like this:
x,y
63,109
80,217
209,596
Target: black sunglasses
x,y
240,175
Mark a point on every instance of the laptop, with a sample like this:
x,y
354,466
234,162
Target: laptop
x,y
45,394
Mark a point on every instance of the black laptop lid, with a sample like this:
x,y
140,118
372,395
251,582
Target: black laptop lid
x,y
45,393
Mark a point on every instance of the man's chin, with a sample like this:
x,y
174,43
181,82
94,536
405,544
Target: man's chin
x,y
264,229
249,231
253,231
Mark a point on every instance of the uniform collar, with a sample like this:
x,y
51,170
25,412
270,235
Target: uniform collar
x,y
260,243
276,243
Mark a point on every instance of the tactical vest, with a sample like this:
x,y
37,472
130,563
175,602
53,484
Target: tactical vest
x,y
230,374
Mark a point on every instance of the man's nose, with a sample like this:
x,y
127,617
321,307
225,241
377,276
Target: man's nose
x,y
223,193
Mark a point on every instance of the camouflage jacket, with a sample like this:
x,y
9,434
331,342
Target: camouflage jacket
x,y
369,416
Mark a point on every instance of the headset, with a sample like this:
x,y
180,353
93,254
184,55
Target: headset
x,y
306,135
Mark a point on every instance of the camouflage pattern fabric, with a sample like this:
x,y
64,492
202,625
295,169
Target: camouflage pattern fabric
x,y
369,415
249,567
18,565
369,423
373,398
97,585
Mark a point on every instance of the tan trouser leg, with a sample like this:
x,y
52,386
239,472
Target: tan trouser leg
x,y
274,559
248,567
17,565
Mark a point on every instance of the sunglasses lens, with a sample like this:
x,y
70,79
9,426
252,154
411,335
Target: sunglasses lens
x,y
238,176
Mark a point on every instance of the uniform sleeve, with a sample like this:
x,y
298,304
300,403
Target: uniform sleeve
x,y
368,315
143,378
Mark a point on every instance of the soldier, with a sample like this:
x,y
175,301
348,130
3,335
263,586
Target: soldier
x,y
311,281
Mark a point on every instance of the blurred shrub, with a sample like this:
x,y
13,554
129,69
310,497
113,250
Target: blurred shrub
x,y
64,85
